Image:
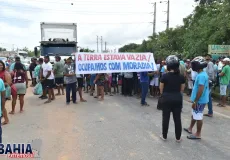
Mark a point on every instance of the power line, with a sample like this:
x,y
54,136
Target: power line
x,y
68,11
81,23
83,2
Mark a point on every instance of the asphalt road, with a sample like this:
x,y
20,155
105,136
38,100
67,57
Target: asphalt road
x,y
116,129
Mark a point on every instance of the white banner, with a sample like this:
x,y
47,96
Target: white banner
x,y
90,63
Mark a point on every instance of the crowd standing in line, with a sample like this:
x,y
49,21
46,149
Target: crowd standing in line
x,y
167,82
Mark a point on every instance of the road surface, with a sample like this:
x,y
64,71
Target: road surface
x,y
116,129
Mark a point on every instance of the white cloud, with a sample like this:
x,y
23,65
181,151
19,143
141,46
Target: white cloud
x,y
85,13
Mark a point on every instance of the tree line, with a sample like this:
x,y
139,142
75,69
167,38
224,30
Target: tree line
x,y
209,23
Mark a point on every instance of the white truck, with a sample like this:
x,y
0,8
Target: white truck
x,y
57,39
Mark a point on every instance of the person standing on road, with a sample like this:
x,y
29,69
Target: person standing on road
x,y
224,81
48,78
199,97
100,81
171,86
37,70
20,80
17,60
71,81
128,83
31,69
2,102
58,73
5,76
144,80
92,85
80,82
155,81
210,70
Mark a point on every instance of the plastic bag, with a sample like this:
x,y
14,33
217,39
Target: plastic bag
x,y
8,92
38,89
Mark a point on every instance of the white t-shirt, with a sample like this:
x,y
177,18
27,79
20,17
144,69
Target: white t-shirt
x,y
194,74
220,66
46,67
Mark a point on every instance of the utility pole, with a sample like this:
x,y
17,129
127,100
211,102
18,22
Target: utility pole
x,y
168,15
105,46
97,44
154,18
101,45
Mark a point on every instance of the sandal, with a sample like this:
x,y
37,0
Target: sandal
x,y
5,123
83,100
49,101
193,137
11,112
186,130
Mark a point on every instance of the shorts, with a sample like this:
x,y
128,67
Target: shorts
x,y
33,74
223,90
80,82
154,82
190,84
43,85
197,113
21,88
59,81
49,83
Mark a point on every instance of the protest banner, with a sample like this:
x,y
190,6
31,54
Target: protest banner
x,y
90,63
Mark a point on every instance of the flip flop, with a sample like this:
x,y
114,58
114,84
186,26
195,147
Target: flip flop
x,y
83,100
208,115
11,112
5,123
192,137
186,129
47,102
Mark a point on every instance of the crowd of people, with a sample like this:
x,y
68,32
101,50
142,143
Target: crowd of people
x,y
167,83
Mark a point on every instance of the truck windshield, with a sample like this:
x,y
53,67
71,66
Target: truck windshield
x,y
61,50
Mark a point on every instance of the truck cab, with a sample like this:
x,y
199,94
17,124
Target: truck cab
x,y
58,39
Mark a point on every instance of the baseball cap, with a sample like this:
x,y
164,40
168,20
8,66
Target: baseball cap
x,y
226,59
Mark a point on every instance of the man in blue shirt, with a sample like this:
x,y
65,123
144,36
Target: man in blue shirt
x,y
2,102
144,79
199,97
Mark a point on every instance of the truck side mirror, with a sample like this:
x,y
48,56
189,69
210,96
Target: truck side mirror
x,y
35,51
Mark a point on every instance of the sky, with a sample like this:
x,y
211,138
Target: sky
x,y
119,22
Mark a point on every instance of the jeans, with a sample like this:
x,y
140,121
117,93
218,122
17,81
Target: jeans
x,y
144,91
210,111
0,131
176,110
73,87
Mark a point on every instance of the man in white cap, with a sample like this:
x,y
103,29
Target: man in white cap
x,y
224,81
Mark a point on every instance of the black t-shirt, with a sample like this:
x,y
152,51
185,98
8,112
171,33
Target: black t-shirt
x,y
172,82
32,66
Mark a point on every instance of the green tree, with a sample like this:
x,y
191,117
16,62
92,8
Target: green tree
x,y
2,49
209,23
86,50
